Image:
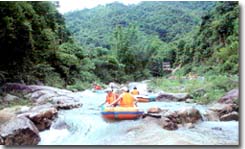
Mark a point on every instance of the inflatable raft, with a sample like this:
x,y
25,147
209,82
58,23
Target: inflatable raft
x,y
121,113
142,98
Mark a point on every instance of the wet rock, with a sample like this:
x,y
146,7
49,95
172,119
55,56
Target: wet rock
x,y
150,119
39,95
62,100
154,115
222,109
230,116
166,123
163,96
171,115
42,96
5,116
189,100
23,109
169,120
8,87
154,110
19,131
42,116
67,106
189,115
230,97
9,98
211,115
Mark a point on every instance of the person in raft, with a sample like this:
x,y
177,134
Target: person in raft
x,y
110,97
125,99
135,91
96,87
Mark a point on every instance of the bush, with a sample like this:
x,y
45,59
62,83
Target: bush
x,y
54,79
206,90
80,85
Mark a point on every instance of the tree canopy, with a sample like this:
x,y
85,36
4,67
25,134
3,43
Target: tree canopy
x,y
116,42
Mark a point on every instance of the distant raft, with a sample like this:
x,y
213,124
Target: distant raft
x,y
98,91
142,98
121,113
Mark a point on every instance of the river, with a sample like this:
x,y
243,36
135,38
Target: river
x,y
85,126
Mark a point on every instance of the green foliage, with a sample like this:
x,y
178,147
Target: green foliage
x,y
216,42
167,20
29,35
118,43
208,89
79,86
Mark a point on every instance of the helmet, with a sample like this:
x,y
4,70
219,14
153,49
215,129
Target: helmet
x,y
108,90
124,89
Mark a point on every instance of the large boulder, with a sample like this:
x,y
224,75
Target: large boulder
x,y
9,87
222,109
42,116
163,96
231,97
154,110
171,120
19,131
39,95
230,116
189,115
168,124
9,98
225,112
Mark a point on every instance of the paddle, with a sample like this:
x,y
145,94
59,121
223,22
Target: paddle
x,y
101,104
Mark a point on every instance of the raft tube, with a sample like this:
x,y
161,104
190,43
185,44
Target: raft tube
x,y
121,113
146,98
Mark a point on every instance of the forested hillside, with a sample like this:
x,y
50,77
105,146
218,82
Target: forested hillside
x,y
167,20
30,34
214,46
116,42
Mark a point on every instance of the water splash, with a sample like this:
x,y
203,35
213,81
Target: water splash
x,y
85,126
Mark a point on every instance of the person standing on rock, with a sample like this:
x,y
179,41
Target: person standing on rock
x,y
135,91
125,99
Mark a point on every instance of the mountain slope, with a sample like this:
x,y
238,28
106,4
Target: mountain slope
x,y
167,20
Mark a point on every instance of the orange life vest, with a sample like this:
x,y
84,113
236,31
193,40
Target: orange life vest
x,y
127,100
111,97
135,92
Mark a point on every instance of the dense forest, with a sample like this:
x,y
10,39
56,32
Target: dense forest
x,y
116,42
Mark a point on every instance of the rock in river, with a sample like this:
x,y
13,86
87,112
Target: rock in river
x,y
230,97
42,116
19,131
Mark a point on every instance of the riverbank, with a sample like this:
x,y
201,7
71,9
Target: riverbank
x,y
202,89
46,112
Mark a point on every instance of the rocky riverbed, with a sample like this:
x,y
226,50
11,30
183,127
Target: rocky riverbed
x,y
52,112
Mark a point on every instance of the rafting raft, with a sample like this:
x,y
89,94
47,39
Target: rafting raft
x,y
121,113
142,98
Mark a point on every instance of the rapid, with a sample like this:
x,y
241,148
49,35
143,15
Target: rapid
x,y
85,126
